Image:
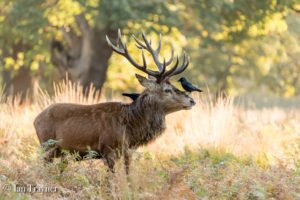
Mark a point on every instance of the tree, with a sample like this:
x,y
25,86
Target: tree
x,y
235,45
20,54
77,30
226,35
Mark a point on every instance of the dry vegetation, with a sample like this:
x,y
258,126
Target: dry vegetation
x,y
214,151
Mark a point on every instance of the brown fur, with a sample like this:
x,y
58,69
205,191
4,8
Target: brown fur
x,y
111,128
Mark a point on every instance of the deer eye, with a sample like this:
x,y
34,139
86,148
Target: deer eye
x,y
168,91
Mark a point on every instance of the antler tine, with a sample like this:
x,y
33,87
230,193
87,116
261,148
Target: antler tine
x,y
148,46
159,44
142,68
157,51
139,47
168,73
185,64
121,48
161,74
139,44
115,48
130,59
144,59
163,67
119,39
153,52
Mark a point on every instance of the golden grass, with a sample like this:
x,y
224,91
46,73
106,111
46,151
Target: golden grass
x,y
214,151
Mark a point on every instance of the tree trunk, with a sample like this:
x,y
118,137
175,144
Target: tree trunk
x,y
222,79
84,57
6,76
21,86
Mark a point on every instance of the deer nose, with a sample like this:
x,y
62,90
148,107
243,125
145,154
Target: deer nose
x,y
192,102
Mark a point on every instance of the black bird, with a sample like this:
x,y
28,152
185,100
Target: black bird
x,y
133,96
187,86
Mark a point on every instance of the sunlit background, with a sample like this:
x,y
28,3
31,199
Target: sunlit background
x,y
241,140
238,47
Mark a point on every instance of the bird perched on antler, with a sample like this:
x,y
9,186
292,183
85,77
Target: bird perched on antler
x,y
187,86
132,96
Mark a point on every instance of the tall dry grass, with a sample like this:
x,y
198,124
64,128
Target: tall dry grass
x,y
172,166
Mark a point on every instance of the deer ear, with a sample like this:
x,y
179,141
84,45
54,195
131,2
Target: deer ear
x,y
150,84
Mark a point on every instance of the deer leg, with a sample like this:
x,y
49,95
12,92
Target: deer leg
x,y
111,165
63,163
127,159
110,161
50,154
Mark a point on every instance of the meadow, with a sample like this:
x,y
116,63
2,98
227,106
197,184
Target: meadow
x,y
217,150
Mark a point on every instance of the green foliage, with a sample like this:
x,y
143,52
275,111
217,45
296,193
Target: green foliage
x,y
235,46
238,45
91,154
49,143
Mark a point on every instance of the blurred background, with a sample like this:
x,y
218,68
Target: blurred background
x,y
243,48
246,146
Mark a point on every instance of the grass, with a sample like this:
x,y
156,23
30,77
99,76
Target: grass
x,y
214,151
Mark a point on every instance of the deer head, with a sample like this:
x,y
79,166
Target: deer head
x,y
158,88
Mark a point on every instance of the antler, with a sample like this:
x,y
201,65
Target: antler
x,y
160,75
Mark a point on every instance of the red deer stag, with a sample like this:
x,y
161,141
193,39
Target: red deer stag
x,y
112,128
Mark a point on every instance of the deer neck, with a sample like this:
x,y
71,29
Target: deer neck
x,y
145,121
